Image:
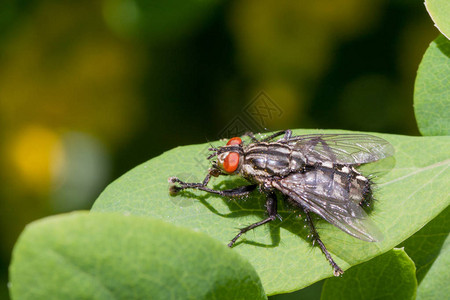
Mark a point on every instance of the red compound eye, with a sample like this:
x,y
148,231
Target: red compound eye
x,y
231,162
234,141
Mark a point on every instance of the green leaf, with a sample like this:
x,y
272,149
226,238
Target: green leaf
x,y
388,276
425,245
432,89
435,284
439,11
110,256
413,193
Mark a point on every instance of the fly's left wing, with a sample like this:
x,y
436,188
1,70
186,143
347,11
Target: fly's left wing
x,y
319,192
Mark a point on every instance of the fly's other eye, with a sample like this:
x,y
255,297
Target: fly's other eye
x,y
234,141
231,162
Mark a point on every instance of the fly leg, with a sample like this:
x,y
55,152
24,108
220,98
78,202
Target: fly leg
x,y
236,192
251,135
287,135
271,206
316,238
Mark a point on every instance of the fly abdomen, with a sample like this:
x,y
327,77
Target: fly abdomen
x,y
342,183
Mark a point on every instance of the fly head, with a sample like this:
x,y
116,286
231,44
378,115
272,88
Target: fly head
x,y
229,158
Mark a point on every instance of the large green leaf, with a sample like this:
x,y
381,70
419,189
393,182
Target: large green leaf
x,y
432,89
110,256
413,193
388,276
439,11
435,284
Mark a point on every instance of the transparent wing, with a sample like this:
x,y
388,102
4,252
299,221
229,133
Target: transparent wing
x,y
331,205
342,148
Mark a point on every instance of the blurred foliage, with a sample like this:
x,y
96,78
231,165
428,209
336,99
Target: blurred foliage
x,y
89,89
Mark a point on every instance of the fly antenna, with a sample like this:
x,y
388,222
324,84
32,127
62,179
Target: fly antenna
x,y
212,148
214,154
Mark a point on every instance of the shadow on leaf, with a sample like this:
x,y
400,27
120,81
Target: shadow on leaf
x,y
253,204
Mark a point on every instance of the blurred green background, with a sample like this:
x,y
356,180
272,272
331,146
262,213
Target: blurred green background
x,y
90,89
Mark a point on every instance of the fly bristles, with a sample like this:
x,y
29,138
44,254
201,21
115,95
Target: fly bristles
x,y
212,148
214,154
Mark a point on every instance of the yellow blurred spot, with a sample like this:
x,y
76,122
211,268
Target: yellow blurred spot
x,y
33,153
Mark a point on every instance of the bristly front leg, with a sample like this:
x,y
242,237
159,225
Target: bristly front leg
x,y
184,185
316,238
271,206
236,192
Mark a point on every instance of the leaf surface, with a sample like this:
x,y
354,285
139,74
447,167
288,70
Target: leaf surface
x,y
388,276
439,11
432,89
426,245
111,256
435,284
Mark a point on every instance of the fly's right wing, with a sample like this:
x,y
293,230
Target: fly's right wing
x,y
342,148
318,192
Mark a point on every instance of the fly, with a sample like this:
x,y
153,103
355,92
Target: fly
x,y
315,173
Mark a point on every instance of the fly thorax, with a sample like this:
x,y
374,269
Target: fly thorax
x,y
267,160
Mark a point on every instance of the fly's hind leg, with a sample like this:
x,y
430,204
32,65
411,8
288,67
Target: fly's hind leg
x,y
271,206
316,239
